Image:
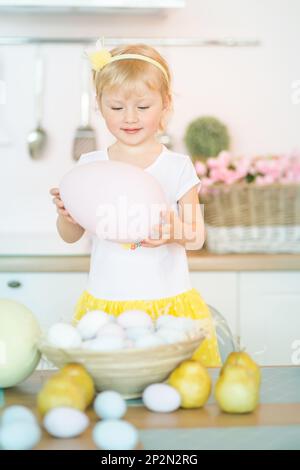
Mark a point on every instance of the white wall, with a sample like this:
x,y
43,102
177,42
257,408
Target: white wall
x,y
248,88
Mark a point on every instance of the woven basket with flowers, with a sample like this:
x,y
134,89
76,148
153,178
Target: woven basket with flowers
x,y
251,204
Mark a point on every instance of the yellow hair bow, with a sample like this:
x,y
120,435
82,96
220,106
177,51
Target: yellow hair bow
x,y
102,56
99,58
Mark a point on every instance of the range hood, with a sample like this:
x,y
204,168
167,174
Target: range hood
x,y
90,6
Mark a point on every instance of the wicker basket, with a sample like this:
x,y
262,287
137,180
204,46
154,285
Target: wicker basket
x,y
128,371
245,218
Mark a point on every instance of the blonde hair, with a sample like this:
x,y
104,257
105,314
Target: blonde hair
x,y
127,74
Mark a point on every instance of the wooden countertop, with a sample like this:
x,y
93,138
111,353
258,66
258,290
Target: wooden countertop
x,y
279,407
198,261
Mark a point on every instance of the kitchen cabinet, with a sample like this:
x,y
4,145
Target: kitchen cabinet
x,y
50,296
269,313
261,309
220,291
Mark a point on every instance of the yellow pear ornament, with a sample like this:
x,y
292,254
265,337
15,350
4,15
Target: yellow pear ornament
x,y
193,382
58,391
241,358
237,390
78,374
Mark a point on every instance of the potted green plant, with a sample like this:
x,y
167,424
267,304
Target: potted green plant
x,y
206,137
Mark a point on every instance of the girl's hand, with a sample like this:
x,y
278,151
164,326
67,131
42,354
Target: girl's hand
x,y
169,231
60,208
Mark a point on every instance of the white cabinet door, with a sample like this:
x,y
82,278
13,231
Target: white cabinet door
x,y
50,296
219,289
270,316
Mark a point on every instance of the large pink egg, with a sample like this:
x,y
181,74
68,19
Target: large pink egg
x,y
116,201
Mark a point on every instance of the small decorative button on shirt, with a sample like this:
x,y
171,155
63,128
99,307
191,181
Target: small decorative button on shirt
x,y
131,246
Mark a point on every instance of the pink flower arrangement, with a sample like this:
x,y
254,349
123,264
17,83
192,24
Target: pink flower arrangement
x,y
261,170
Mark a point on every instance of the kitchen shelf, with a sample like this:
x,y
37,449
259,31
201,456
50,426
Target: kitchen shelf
x,y
110,7
155,42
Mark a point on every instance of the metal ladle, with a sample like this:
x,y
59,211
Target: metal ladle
x,y
36,139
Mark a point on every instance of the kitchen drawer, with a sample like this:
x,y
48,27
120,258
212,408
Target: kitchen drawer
x,y
50,296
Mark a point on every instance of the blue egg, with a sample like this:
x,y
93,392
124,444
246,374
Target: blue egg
x,y
114,434
17,413
110,405
19,435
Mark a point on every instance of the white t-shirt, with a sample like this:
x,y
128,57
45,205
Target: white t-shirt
x,y
144,273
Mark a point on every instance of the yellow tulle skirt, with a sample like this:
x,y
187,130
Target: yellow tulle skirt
x,y
188,304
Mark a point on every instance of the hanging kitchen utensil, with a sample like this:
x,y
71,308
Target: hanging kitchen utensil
x,y
85,137
166,139
5,137
37,138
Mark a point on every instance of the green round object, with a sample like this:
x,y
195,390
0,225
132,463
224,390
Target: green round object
x,y
19,332
206,137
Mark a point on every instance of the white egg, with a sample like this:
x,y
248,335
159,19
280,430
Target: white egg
x,y
199,325
65,422
90,323
104,343
171,335
19,435
183,324
114,434
110,405
63,335
150,340
132,318
177,323
112,318
135,332
128,343
17,413
111,329
164,320
161,398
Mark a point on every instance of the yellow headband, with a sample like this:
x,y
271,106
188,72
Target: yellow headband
x,y
102,57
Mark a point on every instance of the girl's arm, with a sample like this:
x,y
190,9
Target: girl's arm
x,y
191,217
69,230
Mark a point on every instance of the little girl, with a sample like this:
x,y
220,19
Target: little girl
x,y
133,92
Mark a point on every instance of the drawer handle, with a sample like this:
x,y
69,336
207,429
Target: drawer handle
x,y
14,284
